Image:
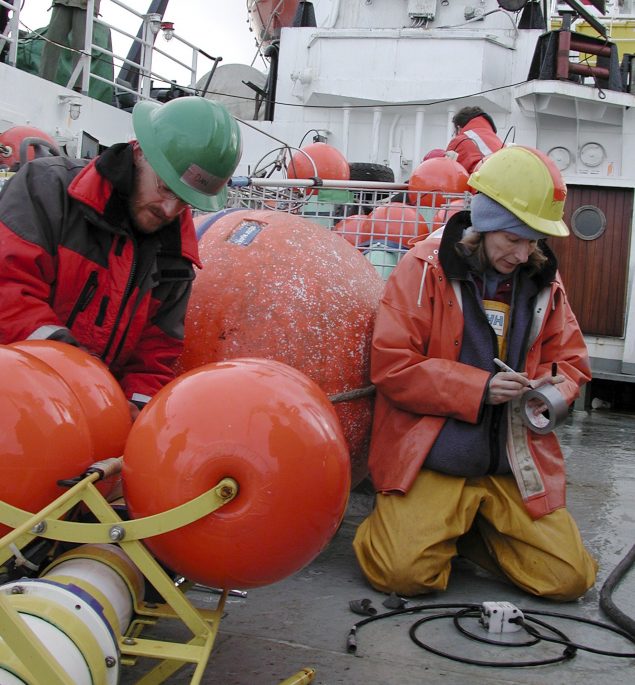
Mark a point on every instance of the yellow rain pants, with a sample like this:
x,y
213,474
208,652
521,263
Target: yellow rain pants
x,y
407,543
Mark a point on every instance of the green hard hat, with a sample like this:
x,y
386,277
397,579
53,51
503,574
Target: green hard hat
x,y
193,144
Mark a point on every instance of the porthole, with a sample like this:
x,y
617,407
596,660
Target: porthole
x,y
592,154
588,222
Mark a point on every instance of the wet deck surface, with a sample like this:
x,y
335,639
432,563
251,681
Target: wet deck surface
x,y
304,620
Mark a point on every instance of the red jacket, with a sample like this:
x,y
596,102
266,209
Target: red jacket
x,y
420,382
475,140
72,269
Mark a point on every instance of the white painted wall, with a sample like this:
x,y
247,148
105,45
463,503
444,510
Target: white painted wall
x,y
31,100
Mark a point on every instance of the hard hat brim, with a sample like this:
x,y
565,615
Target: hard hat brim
x,y
557,229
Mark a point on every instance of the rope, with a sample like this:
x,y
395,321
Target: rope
x,y
349,395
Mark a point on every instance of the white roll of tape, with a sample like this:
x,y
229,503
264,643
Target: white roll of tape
x,y
557,409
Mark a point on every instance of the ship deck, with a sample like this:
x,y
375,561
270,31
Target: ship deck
x,y
304,620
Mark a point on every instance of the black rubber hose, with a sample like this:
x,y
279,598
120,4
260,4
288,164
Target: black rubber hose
x,y
606,600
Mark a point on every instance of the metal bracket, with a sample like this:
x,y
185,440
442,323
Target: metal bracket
x,y
47,522
202,623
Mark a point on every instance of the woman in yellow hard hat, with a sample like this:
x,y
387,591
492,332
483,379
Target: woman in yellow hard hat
x,y
456,469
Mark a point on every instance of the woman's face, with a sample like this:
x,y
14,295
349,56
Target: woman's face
x,y
505,251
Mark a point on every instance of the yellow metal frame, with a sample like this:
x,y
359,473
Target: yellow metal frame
x,y
110,528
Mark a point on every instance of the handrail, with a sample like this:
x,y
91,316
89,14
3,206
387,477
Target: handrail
x,y
149,78
11,32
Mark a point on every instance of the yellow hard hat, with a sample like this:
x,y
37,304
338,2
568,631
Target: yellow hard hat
x,y
527,183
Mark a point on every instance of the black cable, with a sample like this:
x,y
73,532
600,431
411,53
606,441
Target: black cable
x,y
588,621
311,130
392,105
512,130
473,610
351,641
567,654
606,600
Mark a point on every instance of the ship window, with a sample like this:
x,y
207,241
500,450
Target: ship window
x,y
588,222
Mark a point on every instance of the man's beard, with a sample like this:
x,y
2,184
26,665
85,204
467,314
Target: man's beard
x,y
135,208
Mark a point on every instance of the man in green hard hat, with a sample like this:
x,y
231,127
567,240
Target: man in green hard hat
x,y
101,254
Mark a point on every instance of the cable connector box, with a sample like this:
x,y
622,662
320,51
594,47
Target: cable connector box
x,y
501,617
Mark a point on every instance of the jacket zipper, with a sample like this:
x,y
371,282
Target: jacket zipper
x,y
124,335
124,301
84,299
494,423
495,413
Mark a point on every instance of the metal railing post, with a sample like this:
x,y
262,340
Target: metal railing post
x,y
86,58
151,26
11,35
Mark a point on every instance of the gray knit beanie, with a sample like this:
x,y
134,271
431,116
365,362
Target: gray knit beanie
x,y
489,215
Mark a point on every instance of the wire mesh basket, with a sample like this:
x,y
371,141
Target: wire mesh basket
x,y
382,220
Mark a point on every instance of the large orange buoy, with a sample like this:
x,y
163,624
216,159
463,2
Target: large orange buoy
x,y
271,429
279,286
433,179
45,436
319,160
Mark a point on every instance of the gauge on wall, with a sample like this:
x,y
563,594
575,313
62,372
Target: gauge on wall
x,y
561,156
592,154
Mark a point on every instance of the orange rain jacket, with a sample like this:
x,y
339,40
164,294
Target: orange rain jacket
x,y
420,382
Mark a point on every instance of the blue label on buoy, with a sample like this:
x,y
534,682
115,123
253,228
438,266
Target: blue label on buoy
x,y
246,233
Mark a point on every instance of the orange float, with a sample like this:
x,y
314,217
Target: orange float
x,y
394,225
271,429
433,179
279,286
435,152
445,212
319,160
99,394
353,228
20,144
45,435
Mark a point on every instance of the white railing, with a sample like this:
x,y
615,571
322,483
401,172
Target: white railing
x,y
11,32
182,58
